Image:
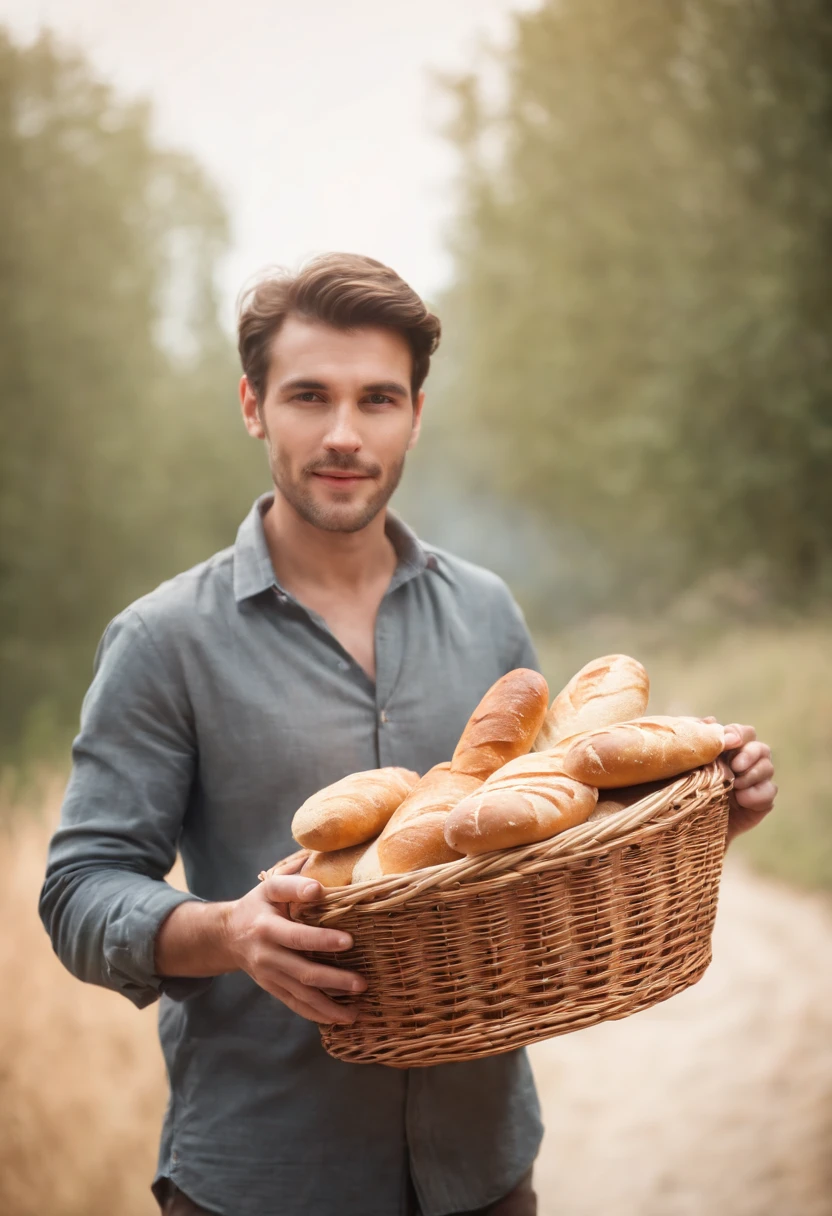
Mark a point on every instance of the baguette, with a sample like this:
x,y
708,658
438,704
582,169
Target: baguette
x,y
352,810
368,867
611,689
334,869
503,725
528,800
647,749
415,835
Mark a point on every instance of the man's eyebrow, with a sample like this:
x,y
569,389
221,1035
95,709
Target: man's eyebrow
x,y
302,383
386,386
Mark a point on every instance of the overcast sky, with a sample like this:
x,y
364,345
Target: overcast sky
x,y
316,118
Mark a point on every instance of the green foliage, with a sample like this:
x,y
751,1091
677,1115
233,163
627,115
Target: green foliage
x,y
117,463
639,329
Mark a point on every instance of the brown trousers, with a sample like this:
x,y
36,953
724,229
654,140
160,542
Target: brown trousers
x,y
521,1201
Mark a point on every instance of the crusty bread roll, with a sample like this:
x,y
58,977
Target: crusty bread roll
x,y
352,810
504,724
611,689
611,801
528,800
647,749
334,869
415,836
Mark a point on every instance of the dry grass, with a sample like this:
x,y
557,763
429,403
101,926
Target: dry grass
x,y
82,1087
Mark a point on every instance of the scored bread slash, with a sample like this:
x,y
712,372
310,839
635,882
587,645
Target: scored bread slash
x,y
533,801
415,836
614,688
504,724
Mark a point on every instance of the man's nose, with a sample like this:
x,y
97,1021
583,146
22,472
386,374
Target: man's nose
x,y
343,434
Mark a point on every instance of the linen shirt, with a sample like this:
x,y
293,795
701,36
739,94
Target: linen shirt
x,y
219,703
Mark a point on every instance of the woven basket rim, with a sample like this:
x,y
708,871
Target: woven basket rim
x,y
656,812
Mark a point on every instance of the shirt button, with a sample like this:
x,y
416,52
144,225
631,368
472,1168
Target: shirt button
x,y
383,717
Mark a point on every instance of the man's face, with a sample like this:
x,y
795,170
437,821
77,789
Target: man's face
x,y
337,419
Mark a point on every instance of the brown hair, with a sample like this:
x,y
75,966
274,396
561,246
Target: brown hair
x,y
340,289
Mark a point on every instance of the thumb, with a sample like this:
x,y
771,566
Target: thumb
x,y
291,888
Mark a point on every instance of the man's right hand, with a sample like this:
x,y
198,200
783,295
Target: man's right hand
x,y
255,934
265,943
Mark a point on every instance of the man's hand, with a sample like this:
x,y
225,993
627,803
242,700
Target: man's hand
x,y
265,942
754,789
255,934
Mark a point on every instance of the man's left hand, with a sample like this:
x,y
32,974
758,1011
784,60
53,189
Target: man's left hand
x,y
754,788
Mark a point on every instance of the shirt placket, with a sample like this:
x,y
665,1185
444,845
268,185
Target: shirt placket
x,y
389,640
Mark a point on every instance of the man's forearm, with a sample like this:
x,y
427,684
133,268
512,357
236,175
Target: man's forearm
x,y
194,942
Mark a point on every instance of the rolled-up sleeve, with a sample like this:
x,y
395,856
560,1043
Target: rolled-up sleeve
x,y
104,897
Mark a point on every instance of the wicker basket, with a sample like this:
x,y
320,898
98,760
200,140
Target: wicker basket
x,y
491,953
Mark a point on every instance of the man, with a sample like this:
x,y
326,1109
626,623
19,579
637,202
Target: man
x,y
326,641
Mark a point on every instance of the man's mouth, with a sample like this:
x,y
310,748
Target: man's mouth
x,y
341,480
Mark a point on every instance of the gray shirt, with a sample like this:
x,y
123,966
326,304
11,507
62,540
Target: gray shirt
x,y
219,703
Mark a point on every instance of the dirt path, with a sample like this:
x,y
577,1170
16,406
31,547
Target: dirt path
x,y
718,1102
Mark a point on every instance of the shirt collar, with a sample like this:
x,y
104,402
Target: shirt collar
x,y
254,573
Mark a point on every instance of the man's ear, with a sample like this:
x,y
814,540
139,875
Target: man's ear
x,y
418,406
251,412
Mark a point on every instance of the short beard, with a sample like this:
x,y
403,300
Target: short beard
x,y
331,518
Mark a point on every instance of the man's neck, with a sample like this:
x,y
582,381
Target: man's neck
x,y
305,556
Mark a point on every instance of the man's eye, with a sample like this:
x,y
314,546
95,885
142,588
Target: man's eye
x,y
378,398
308,395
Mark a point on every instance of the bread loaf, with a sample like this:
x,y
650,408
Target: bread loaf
x,y
503,725
367,867
528,800
352,810
415,835
647,749
612,689
334,869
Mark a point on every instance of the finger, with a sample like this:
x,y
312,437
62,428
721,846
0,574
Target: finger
x,y
295,935
750,754
737,735
759,773
709,719
314,975
324,1009
291,888
312,1005
758,798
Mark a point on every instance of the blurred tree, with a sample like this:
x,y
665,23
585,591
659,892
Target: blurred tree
x,y
116,381
640,327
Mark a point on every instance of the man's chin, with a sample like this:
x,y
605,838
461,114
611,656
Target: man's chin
x,y
346,517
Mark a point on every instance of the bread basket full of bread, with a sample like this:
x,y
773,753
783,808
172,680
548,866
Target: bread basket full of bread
x,y
562,868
